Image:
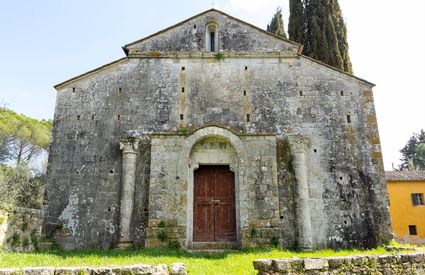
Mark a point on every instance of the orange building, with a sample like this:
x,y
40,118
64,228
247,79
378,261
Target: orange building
x,y
406,191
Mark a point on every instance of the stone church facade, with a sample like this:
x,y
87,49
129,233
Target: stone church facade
x,y
215,133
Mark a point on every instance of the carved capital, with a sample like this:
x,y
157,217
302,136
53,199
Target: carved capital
x,y
298,144
129,145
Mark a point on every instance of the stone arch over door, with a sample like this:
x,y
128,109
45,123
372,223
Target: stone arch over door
x,y
229,150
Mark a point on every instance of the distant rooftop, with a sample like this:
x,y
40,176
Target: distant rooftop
x,y
405,176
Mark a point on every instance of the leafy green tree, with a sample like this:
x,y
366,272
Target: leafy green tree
x,y
22,138
4,153
276,24
413,153
320,27
21,186
419,157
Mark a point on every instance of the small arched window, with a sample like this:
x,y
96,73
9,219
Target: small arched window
x,y
212,37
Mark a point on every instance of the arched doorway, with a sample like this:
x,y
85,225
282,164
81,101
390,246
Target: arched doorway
x,y
214,145
213,187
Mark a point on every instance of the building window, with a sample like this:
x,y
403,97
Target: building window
x,y
412,230
418,199
348,119
212,37
212,41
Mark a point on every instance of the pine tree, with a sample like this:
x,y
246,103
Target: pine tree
x,y
276,24
319,26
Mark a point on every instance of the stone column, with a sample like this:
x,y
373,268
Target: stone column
x,y
298,147
129,157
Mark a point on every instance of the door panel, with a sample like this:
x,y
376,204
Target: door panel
x,y
203,210
214,205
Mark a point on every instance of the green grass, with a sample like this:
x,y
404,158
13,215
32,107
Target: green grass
x,y
231,262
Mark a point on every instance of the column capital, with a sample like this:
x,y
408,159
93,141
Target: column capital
x,y
298,144
129,145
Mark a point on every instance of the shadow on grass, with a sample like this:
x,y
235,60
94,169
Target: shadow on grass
x,y
154,252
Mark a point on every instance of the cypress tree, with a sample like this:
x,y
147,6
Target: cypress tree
x,y
296,26
341,31
276,24
319,26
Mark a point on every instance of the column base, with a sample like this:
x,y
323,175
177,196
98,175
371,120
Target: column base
x,y
124,244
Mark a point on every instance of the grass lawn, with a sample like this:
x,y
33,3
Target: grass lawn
x,y
231,262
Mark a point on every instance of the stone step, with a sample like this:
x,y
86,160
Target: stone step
x,y
211,251
214,245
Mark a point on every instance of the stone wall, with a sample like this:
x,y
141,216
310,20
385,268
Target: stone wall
x,y
20,229
252,159
234,36
173,269
384,264
259,93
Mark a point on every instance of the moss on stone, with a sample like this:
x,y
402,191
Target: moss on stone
x,y
219,56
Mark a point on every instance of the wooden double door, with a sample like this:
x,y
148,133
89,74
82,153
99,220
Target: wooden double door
x,y
214,212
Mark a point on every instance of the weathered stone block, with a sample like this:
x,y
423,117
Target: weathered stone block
x,y
336,262
263,264
282,265
10,271
315,264
178,269
297,264
39,271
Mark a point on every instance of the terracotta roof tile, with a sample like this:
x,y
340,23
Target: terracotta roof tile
x,y
405,176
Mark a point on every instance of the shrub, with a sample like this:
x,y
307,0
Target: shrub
x,y
174,244
253,232
34,237
25,242
24,226
274,241
14,240
162,236
161,224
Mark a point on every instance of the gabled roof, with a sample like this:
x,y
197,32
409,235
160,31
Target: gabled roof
x,y
337,70
296,48
125,47
391,176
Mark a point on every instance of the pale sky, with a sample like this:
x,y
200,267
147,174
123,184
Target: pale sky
x,y
45,42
